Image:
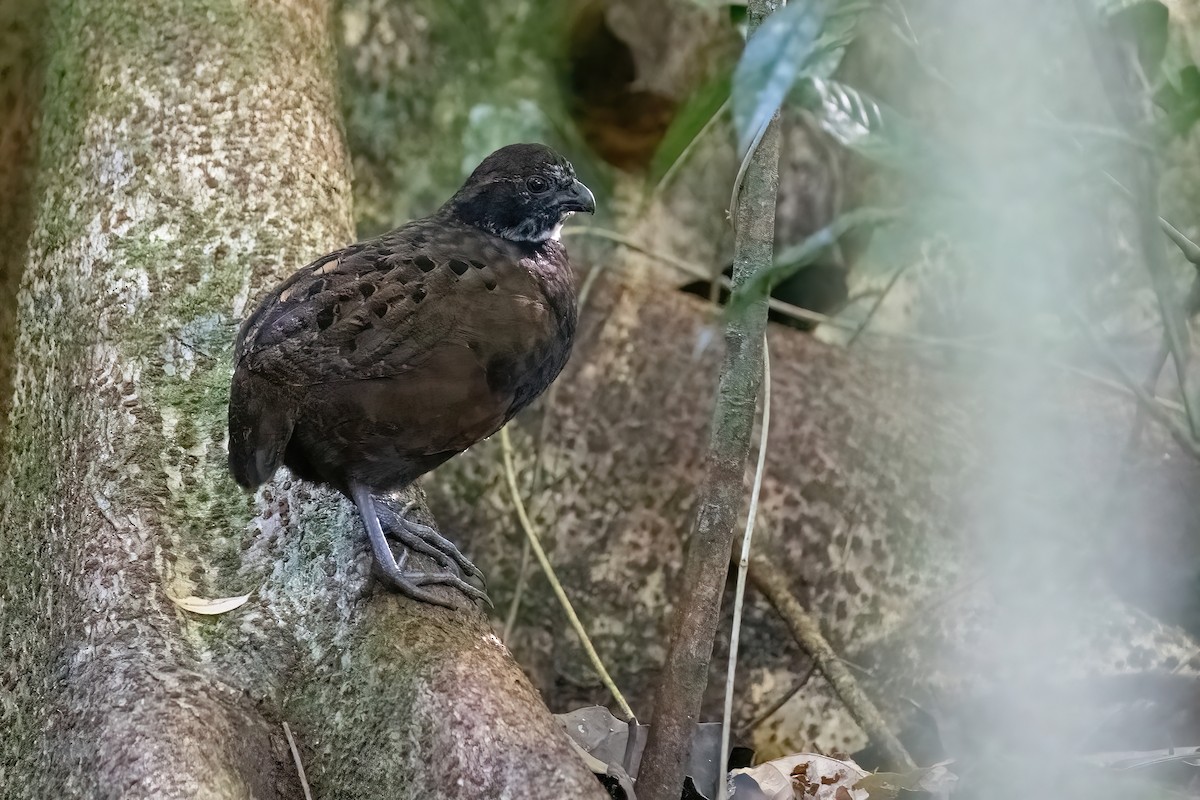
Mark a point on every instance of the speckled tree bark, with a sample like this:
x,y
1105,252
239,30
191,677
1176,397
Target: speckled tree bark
x,y
872,474
191,154
20,88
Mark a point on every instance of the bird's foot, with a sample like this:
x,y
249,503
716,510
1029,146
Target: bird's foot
x,y
412,584
419,539
424,539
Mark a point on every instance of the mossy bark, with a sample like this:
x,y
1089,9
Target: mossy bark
x,y
191,154
20,90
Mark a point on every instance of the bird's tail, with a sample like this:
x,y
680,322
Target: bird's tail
x,y
260,426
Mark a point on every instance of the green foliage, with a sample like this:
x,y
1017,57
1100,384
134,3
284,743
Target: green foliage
x,y
774,59
866,126
698,113
1052,140
1164,59
841,28
799,256
1180,101
792,36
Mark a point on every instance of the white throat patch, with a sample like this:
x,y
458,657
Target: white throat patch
x,y
556,234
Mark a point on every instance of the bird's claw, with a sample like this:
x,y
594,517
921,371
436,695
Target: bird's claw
x,y
412,584
416,538
424,539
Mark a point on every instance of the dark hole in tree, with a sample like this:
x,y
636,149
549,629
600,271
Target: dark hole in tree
x,y
621,124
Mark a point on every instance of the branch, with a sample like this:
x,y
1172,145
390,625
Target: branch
x,y
743,566
767,578
1179,432
685,673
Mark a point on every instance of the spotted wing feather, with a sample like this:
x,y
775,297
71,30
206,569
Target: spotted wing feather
x,y
412,345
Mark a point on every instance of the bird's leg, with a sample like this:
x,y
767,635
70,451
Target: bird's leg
x,y
409,583
431,543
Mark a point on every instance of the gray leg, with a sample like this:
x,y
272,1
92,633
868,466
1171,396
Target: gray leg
x,y
408,583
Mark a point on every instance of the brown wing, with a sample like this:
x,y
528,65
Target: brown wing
x,y
381,308
421,335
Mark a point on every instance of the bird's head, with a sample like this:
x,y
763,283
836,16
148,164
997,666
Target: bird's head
x,y
523,193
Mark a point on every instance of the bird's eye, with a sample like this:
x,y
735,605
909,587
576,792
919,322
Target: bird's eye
x,y
537,184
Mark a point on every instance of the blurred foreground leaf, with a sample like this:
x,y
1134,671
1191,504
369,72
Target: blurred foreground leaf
x,y
700,110
862,124
841,27
1144,24
771,63
1180,101
797,257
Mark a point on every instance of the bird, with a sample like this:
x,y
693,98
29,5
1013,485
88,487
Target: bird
x,y
377,362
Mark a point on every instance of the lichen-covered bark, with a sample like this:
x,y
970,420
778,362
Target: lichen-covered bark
x,y
20,88
191,154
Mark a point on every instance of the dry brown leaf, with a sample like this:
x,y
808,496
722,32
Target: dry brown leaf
x,y
807,776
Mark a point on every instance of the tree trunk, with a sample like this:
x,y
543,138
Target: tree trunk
x,y
20,89
191,155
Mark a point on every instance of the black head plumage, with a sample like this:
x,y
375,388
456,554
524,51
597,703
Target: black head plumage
x,y
522,192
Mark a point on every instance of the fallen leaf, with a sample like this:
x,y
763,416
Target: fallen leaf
x,y
210,606
805,776
936,781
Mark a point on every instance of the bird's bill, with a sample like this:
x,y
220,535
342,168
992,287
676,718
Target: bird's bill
x,y
577,197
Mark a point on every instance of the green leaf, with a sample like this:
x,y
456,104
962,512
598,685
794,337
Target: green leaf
x,y
862,124
1111,8
799,256
700,111
841,28
1180,100
1144,23
771,63
1177,57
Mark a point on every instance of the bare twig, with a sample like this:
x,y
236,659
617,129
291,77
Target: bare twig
x,y
891,284
510,619
741,173
781,701
603,233
287,731
1181,433
535,544
739,594
769,580
585,291
691,270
